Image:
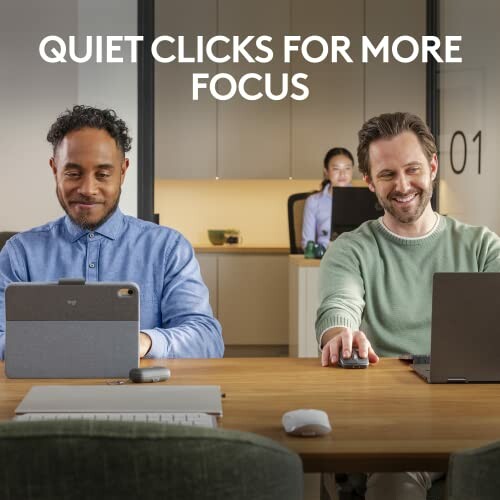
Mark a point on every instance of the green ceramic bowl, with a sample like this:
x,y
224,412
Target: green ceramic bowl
x,y
217,236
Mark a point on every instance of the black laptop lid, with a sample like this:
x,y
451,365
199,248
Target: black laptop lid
x,y
351,206
465,335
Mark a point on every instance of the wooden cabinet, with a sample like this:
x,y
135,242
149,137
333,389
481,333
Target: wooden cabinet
x,y
204,139
333,112
249,296
253,299
253,137
395,86
185,130
265,139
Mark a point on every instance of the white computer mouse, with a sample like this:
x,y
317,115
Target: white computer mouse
x,y
307,423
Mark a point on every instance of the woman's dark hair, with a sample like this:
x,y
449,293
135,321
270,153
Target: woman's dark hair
x,y
329,155
86,116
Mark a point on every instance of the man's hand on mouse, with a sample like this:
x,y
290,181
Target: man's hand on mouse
x,y
341,339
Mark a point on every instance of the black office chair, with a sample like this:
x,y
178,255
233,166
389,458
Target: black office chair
x,y
296,204
4,236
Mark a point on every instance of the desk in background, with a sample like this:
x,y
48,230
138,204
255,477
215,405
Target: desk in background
x,y
384,418
303,303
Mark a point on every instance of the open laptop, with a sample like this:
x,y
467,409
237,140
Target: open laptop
x,y
172,404
71,329
465,332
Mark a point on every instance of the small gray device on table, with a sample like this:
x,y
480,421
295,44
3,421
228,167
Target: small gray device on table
x,y
71,329
354,361
149,374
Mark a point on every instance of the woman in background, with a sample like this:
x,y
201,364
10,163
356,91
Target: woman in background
x,y
337,171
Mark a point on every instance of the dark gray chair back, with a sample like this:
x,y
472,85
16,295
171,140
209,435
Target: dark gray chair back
x,y
131,460
474,474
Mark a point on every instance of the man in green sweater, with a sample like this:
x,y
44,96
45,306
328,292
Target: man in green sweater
x,y
376,281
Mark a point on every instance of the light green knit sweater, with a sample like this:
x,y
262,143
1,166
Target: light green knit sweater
x,y
377,282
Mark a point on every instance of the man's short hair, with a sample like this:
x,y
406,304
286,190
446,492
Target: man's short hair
x,y
389,125
88,117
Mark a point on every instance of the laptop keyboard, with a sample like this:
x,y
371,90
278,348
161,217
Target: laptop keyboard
x,y
421,359
417,359
189,419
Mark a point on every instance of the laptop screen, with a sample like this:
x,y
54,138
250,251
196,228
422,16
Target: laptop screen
x,y
351,206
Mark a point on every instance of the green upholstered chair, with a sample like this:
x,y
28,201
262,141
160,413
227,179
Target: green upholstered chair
x,y
475,474
130,460
438,490
4,236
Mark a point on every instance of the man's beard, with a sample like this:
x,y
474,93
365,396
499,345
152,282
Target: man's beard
x,y
407,217
83,222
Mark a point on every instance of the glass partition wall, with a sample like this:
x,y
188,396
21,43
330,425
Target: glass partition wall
x,y
469,114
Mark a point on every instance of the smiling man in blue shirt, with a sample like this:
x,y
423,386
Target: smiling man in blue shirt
x,y
94,240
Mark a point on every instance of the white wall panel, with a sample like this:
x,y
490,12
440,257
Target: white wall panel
x,y
33,93
470,102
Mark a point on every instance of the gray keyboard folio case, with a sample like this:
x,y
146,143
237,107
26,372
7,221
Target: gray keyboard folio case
x,y
71,329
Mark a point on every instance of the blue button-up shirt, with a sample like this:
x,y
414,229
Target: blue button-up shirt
x,y
175,311
317,218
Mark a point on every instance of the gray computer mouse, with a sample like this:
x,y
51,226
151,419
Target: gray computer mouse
x,y
306,423
355,361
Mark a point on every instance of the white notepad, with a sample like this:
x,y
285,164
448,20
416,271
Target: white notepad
x,y
122,399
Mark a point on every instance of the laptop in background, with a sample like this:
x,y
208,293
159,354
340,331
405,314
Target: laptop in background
x,y
351,206
71,329
465,330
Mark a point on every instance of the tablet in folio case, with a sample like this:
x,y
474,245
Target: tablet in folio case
x,y
71,329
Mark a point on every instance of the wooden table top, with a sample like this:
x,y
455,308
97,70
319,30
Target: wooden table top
x,y
384,418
